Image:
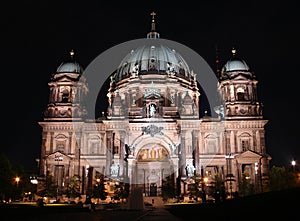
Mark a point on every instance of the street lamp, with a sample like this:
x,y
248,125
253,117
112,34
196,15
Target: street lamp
x,y
34,181
17,179
293,164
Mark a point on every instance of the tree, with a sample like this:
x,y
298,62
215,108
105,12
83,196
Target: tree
x,y
99,190
245,185
73,187
168,188
121,191
48,187
280,178
9,187
218,189
6,178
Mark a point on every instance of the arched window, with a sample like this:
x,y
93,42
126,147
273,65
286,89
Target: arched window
x,y
94,145
211,144
65,96
245,144
240,92
61,142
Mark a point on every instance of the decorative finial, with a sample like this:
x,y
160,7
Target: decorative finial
x,y
153,33
153,21
72,53
233,51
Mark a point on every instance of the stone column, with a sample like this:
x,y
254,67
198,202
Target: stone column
x,y
183,155
43,154
51,141
131,170
78,152
122,152
70,143
195,136
109,151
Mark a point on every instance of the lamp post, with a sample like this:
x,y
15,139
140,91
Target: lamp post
x,y
34,181
17,179
256,176
58,158
229,157
293,165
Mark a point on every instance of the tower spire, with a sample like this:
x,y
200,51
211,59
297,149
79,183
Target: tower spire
x,y
153,33
153,21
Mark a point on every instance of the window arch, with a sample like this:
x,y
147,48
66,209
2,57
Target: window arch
x,y
211,144
61,143
240,92
245,142
65,96
94,145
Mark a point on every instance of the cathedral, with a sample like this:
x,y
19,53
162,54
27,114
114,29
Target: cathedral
x,y
152,128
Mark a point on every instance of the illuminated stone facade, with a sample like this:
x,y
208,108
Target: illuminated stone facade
x,y
152,128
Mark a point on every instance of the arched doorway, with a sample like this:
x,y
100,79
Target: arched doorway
x,y
153,189
153,165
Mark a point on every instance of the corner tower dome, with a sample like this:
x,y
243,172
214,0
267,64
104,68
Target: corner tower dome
x,y
70,66
235,64
236,67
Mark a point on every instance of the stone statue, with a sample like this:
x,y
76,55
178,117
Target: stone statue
x,y
114,170
190,170
132,149
135,70
194,76
152,110
171,69
172,148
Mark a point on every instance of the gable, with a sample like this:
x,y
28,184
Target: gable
x,y
248,157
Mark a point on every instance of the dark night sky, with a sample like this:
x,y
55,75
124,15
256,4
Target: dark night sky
x,y
38,35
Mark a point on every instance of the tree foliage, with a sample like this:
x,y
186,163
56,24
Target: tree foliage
x,y
73,187
168,188
280,178
48,186
99,190
9,188
246,187
121,191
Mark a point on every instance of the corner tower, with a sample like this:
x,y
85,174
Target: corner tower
x,y
66,92
238,90
245,145
60,148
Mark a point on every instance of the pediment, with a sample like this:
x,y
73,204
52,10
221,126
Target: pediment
x,y
152,96
248,157
59,157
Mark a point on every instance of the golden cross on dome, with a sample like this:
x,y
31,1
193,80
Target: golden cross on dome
x,y
153,33
153,16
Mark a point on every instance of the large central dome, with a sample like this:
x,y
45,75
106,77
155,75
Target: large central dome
x,y
153,59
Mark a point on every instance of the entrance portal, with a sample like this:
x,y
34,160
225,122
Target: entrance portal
x,y
153,189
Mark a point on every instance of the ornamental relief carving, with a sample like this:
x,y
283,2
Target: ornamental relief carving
x,y
154,153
